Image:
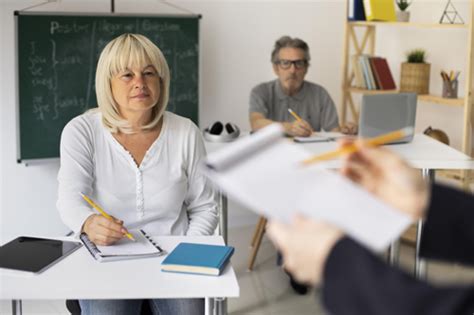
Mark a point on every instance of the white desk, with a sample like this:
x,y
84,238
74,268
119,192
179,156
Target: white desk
x,y
72,277
423,153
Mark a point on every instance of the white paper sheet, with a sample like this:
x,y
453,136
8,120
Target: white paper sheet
x,y
125,246
272,181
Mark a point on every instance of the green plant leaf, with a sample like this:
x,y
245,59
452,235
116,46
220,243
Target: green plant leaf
x,y
416,56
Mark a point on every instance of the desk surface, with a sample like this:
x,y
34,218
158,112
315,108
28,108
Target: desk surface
x,y
79,276
423,153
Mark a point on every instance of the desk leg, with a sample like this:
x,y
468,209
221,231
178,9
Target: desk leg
x,y
216,306
209,306
223,216
394,253
16,307
420,264
220,306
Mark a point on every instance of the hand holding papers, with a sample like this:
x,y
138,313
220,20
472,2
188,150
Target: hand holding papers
x,y
264,172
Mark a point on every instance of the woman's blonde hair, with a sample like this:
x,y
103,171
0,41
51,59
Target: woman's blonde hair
x,y
124,52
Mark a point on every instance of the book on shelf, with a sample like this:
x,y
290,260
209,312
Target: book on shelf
x,y
364,72
198,259
368,76
372,73
356,10
359,75
375,74
384,74
380,10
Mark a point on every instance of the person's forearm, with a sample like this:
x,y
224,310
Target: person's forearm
x,y
357,282
259,123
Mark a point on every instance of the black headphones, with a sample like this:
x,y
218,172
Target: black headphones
x,y
214,133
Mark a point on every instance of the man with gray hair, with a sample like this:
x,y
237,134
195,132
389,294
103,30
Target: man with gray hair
x,y
271,101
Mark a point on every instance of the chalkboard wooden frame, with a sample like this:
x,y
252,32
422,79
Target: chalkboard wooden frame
x,y
30,139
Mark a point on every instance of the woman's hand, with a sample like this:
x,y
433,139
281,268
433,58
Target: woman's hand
x,y
305,245
388,177
102,231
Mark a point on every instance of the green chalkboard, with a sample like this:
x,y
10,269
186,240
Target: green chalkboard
x,y
57,57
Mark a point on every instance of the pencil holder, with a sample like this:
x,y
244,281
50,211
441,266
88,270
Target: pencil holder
x,y
450,89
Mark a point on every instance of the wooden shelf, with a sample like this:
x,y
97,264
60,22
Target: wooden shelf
x,y
410,24
441,100
360,39
423,98
371,92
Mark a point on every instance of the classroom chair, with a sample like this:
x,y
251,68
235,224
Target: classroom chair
x,y
75,309
256,240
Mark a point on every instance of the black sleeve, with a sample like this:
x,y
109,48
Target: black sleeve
x,y
357,282
448,233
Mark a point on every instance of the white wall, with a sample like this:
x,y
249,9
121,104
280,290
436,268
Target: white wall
x,y
236,41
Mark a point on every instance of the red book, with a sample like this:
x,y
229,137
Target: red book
x,y
383,73
375,73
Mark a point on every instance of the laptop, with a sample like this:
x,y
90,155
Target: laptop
x,y
383,113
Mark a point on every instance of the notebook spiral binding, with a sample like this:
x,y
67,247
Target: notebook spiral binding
x,y
152,241
89,245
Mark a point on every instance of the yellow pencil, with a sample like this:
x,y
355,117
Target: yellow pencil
x,y
382,139
102,212
298,118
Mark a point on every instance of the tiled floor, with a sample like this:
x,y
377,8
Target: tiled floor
x,y
266,290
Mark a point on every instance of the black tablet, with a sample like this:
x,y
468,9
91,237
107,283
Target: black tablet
x,y
32,254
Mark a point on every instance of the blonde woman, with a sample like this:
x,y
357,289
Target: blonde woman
x,y
137,161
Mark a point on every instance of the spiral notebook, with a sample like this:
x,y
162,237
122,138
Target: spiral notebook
x,y
144,246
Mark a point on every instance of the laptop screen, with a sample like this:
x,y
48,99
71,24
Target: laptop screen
x,y
383,113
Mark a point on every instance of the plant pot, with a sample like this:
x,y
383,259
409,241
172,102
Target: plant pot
x,y
415,77
403,16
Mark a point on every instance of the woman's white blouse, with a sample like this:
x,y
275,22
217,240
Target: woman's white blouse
x,y
166,195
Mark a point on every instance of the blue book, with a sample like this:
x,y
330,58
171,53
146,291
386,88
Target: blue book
x,y
198,259
356,10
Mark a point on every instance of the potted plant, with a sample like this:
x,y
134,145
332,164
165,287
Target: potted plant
x,y
415,73
403,15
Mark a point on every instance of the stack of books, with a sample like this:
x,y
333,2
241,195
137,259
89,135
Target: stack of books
x,y
372,73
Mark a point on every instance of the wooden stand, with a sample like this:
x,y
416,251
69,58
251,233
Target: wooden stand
x,y
256,240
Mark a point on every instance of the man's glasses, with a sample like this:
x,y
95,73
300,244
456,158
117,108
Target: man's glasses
x,y
286,64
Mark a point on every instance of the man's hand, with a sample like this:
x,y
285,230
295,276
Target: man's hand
x,y
388,177
349,129
298,128
305,246
102,231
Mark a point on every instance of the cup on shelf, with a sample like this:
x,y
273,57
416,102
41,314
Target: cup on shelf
x,y
450,89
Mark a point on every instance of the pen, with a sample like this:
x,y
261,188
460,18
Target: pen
x,y
457,75
298,118
102,212
382,139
